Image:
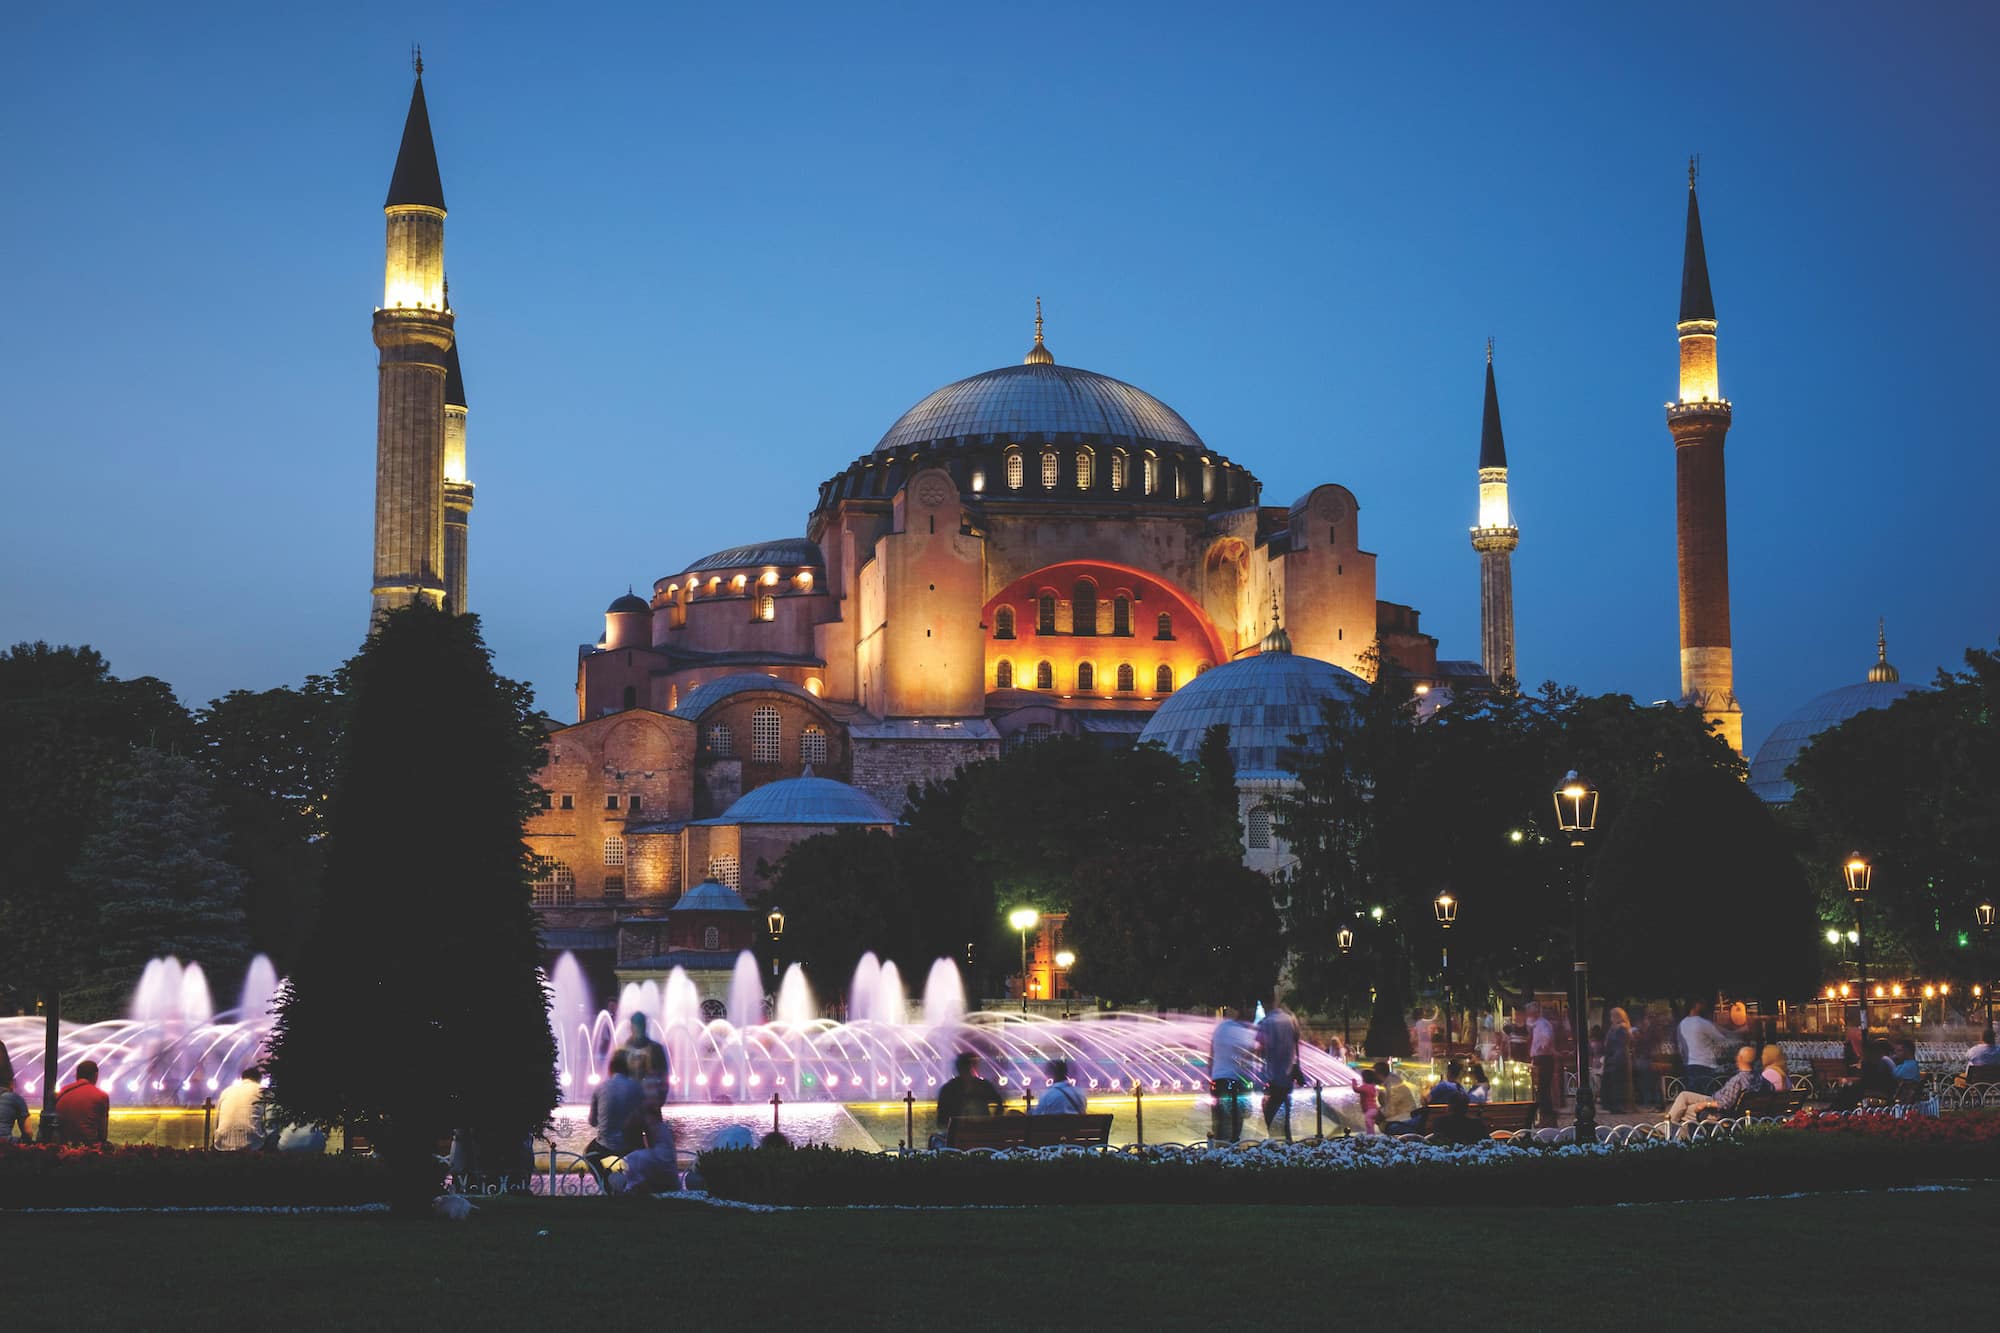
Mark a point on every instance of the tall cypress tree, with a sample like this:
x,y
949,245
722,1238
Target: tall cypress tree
x,y
418,1007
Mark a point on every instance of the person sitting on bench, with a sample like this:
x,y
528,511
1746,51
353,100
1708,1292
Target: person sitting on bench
x,y
1063,1097
1747,1078
965,1094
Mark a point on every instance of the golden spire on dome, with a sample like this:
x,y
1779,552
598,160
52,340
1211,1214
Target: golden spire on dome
x,y
1277,641
1882,673
1039,354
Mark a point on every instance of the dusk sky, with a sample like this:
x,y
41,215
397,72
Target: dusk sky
x,y
703,256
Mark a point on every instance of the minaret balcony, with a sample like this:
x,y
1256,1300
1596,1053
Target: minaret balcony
x,y
1496,539
1707,407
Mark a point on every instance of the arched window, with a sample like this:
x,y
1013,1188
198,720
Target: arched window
x,y
1003,676
1049,467
1083,607
1003,623
1258,826
1083,469
720,742
722,869
1117,469
812,747
814,685
631,696
1017,470
1125,677
1207,480
554,884
614,851
711,938
1166,626
1121,615
1163,680
1045,676
1201,667
1152,472
1086,676
1045,613
764,736
767,607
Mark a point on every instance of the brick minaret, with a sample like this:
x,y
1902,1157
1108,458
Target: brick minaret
x,y
457,490
1699,421
413,329
1495,539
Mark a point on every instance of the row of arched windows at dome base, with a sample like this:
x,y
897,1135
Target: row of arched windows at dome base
x,y
1150,477
1083,615
1124,680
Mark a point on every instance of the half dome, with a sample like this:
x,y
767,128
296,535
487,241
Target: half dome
x,y
1788,738
1265,701
1040,399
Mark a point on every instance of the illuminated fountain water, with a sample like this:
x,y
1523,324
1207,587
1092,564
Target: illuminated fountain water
x,y
175,1049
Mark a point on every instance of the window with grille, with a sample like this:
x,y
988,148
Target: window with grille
x,y
1083,607
812,747
764,736
554,885
722,869
1166,629
1083,461
1125,677
614,888
1049,472
614,851
1045,613
1258,827
1086,676
1003,623
1118,470
1045,676
1003,676
720,741
1017,471
1121,615
1152,474
767,607
1039,731
711,938
1163,680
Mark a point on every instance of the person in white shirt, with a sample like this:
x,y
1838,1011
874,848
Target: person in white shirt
x,y
1231,1056
1987,1052
239,1114
1063,1097
1542,1058
1706,1045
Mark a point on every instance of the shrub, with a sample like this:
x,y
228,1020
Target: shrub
x,y
35,1175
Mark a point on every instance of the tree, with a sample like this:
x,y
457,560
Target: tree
x,y
418,1006
844,894
157,874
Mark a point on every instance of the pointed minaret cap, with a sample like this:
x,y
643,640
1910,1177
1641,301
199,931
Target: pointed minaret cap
x,y
454,380
1277,641
416,180
1882,672
1492,444
1696,302
1039,354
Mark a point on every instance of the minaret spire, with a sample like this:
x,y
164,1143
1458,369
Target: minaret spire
x,y
1699,421
1882,672
1039,354
1495,539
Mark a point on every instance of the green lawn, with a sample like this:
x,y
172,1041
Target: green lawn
x,y
1861,1260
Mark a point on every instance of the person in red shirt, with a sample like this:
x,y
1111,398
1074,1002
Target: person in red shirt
x,y
83,1110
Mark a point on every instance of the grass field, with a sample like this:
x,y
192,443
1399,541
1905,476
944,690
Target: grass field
x,y
1858,1259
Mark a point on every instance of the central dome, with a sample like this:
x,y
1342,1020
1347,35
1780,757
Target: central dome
x,y
1040,398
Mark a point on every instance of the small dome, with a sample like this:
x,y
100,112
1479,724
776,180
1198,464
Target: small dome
x,y
1788,738
710,896
628,604
1265,700
1040,398
806,800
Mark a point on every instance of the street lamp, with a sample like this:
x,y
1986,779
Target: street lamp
x,y
1024,919
1576,815
1983,914
1446,909
1343,939
1065,960
775,923
1860,874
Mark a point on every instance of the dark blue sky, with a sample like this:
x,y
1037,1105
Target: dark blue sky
x,y
702,256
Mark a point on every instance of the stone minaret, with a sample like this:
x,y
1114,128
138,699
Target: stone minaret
x,y
457,490
1699,421
1495,539
413,329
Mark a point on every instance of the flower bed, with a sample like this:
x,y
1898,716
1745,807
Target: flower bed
x,y
34,1175
1771,1160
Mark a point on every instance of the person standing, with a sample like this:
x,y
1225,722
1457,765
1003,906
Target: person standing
x,y
1705,1045
83,1110
1278,1040
1616,1083
1231,1050
1542,1059
239,1113
646,1060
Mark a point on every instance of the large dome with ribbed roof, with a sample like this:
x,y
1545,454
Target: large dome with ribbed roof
x,y
1040,398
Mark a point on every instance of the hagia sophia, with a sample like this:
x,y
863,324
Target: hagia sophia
x,y
1034,550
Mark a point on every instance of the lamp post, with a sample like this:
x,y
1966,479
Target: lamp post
x,y
1576,816
1344,941
775,923
1064,962
1860,874
1024,919
1983,914
1446,908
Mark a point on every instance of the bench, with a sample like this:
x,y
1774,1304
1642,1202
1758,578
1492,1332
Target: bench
x,y
1504,1117
1828,1073
1027,1131
1770,1105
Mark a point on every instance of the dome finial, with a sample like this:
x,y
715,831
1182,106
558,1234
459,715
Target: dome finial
x,y
1882,672
1489,350
1039,354
417,57
1277,641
